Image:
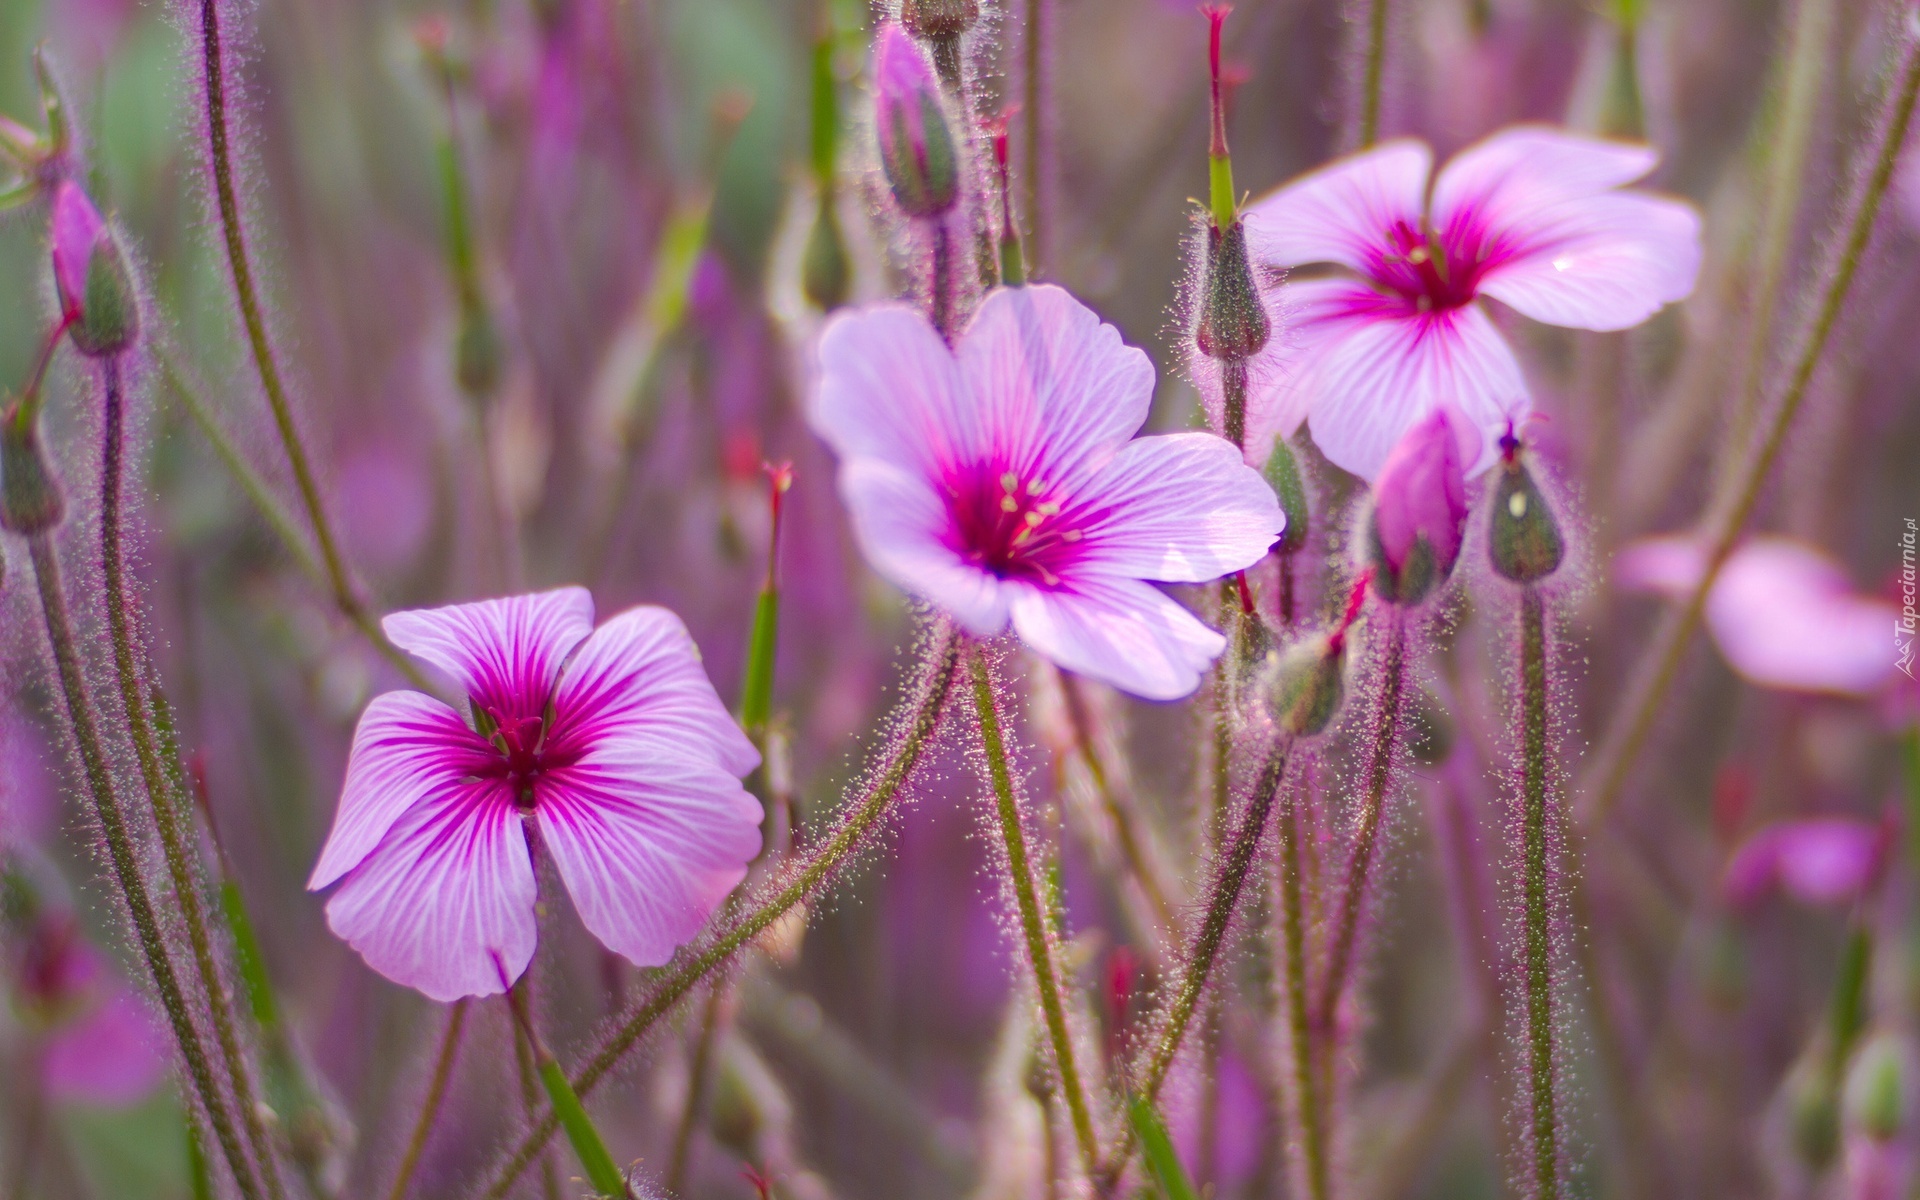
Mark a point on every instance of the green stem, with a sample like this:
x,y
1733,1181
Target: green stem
x,y
1660,664
1293,925
1542,1118
126,861
435,1097
167,813
697,1081
1127,821
1374,73
809,874
944,301
602,1172
1157,1148
1033,919
1386,734
1233,397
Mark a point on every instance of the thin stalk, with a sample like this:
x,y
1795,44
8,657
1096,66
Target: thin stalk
x,y
1120,809
126,861
167,815
697,1074
1033,917
530,1103
809,874
1034,112
1386,734
1294,982
591,1149
435,1097
1543,1120
942,301
1233,394
1373,74
1654,674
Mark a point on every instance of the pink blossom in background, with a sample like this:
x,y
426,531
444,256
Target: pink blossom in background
x,y
1533,217
1783,614
609,742
1001,481
29,805
1820,861
99,1043
1422,490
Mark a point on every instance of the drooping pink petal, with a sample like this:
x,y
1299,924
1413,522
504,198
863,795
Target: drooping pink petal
x,y
888,388
1820,861
1119,631
1422,492
904,529
1786,616
639,674
1368,371
1178,508
1049,387
408,748
649,841
112,1055
448,888
1342,213
1537,210
505,653
77,229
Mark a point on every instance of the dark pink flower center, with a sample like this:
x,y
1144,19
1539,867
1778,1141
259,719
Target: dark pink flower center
x,y
1420,268
1016,528
523,753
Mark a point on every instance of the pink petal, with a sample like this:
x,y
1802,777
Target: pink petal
x,y
1828,860
1537,208
1785,616
77,229
902,525
649,841
640,674
113,1055
505,653
1119,631
1668,566
1369,371
448,889
1180,508
889,389
408,748
1051,390
1342,212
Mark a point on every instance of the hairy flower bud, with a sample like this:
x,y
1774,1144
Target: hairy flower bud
x,y
1283,476
941,24
89,272
1308,685
1419,509
30,499
1523,538
917,149
1233,323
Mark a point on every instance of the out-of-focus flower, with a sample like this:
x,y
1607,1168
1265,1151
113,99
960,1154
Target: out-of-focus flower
x,y
1420,506
90,274
610,743
1532,217
1783,614
917,149
28,802
98,1043
1819,861
1001,481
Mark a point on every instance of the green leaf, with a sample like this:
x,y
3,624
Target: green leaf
x,y
1157,1149
592,1152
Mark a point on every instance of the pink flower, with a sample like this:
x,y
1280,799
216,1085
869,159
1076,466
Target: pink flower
x,y
78,231
99,1043
1828,860
1783,614
1532,217
1420,505
1001,481
607,743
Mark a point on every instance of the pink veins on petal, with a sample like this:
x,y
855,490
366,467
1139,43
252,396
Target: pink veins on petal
x,y
1001,481
609,742
1533,217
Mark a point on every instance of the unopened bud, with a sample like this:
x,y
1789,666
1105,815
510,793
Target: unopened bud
x,y
1233,323
941,24
917,149
1309,683
1523,539
826,277
97,297
1814,1116
1283,476
1419,509
51,103
30,499
477,353
1876,1090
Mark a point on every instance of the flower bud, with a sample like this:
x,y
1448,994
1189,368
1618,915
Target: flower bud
x,y
1876,1090
941,24
89,272
477,353
30,499
1419,509
825,274
1309,683
1523,539
917,149
1283,476
1233,323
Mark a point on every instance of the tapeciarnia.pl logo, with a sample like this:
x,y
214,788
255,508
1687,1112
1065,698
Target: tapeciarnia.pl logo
x,y
1903,624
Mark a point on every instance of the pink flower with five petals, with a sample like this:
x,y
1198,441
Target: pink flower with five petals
x,y
1532,217
1000,480
608,743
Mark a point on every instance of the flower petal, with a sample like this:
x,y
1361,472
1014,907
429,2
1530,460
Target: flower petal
x,y
1342,212
1537,207
448,889
640,673
1119,631
649,841
407,748
888,388
903,527
506,653
1180,508
1369,371
1051,390
113,1055
1785,616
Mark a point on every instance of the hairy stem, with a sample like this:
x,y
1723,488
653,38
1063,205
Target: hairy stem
x,y
167,812
1033,917
1373,73
431,1103
1543,1120
942,300
1654,674
1386,734
1035,50
1295,984
1127,821
808,875
125,860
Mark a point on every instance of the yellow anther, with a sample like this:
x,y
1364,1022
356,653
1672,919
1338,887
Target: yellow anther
x,y
1009,504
